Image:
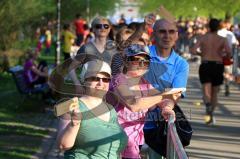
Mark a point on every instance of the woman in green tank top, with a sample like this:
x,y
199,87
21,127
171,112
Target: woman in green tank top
x,y
93,131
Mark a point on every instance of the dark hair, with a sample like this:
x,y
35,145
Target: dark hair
x,y
121,32
134,25
66,26
214,25
78,15
85,26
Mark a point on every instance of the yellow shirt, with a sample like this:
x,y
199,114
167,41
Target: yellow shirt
x,y
68,39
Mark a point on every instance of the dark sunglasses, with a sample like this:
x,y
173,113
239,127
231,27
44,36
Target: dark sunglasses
x,y
134,58
171,31
139,62
97,79
102,26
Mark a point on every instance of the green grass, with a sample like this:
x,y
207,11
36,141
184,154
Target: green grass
x,y
6,83
22,125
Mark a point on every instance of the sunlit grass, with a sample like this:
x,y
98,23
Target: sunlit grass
x,y
8,128
23,148
22,125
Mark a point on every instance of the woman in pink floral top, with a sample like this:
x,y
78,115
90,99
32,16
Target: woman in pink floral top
x,y
135,96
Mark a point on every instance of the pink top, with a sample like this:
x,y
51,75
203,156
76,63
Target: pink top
x,y
131,122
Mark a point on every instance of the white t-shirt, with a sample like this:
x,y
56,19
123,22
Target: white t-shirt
x,y
229,35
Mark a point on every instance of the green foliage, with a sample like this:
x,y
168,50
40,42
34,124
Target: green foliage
x,y
17,16
193,8
70,8
24,16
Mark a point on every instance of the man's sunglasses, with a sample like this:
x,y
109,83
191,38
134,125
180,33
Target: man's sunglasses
x,y
163,31
97,79
102,26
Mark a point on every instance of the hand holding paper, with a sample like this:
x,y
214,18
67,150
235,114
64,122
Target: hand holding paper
x,y
170,91
66,106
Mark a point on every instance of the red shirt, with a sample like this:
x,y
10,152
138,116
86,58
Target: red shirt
x,y
79,26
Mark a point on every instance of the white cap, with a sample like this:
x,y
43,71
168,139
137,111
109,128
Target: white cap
x,y
92,68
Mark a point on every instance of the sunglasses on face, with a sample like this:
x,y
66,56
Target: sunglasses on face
x,y
138,61
171,31
97,79
102,26
135,58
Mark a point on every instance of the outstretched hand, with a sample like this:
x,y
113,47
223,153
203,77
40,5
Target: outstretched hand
x,y
150,19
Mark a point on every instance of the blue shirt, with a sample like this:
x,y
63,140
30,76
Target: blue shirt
x,y
169,73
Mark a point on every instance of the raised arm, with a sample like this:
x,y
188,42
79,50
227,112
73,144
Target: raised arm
x,y
69,126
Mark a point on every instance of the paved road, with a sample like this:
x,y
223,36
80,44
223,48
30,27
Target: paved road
x,y
221,141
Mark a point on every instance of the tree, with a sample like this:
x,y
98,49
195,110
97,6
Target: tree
x,y
17,15
96,7
193,8
21,15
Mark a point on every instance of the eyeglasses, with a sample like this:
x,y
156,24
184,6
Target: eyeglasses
x,y
163,31
134,58
97,79
138,61
102,26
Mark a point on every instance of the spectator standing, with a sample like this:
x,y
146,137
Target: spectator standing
x,y
136,96
48,41
68,40
79,29
92,130
97,48
167,69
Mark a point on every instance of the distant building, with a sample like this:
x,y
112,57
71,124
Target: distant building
x,y
129,9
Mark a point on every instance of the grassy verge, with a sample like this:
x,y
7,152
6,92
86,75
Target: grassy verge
x,y
22,126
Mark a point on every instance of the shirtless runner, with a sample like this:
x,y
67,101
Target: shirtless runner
x,y
212,48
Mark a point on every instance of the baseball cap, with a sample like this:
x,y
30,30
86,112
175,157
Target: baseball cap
x,y
136,49
92,68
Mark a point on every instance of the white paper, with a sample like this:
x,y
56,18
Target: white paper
x,y
173,90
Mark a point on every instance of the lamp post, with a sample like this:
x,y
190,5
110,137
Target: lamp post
x,y
58,48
